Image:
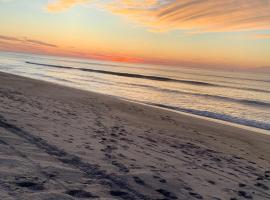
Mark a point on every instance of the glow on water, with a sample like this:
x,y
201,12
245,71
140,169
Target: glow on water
x,y
239,97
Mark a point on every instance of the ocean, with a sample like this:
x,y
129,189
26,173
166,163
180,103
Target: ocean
x,y
233,96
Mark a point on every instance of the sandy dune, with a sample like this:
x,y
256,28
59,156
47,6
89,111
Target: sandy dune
x,y
62,143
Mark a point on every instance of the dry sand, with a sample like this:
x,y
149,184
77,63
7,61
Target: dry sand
x,y
60,143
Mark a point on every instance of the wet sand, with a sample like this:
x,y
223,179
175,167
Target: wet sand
x,y
62,143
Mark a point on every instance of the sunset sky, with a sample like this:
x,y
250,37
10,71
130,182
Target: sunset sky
x,y
230,33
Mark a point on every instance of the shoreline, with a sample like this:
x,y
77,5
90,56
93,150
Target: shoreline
x,y
59,142
217,120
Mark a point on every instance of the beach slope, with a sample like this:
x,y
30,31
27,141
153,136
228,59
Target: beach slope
x,y
62,143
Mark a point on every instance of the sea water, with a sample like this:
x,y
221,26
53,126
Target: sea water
x,y
234,96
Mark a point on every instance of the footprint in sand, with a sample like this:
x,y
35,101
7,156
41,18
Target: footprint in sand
x,y
196,195
261,185
80,194
167,194
244,194
138,180
29,184
118,193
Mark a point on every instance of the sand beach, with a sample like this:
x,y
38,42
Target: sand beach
x,y
62,143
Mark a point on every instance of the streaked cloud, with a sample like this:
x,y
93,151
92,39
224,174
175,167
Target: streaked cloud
x,y
37,42
190,15
201,15
25,41
3,37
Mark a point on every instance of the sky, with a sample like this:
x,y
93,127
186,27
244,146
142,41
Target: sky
x,y
201,33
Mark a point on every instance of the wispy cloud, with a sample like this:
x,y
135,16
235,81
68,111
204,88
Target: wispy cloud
x,y
3,37
262,36
60,5
37,42
191,15
201,15
25,41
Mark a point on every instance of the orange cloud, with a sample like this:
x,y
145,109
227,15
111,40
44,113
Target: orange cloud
x,y
60,5
200,15
191,15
